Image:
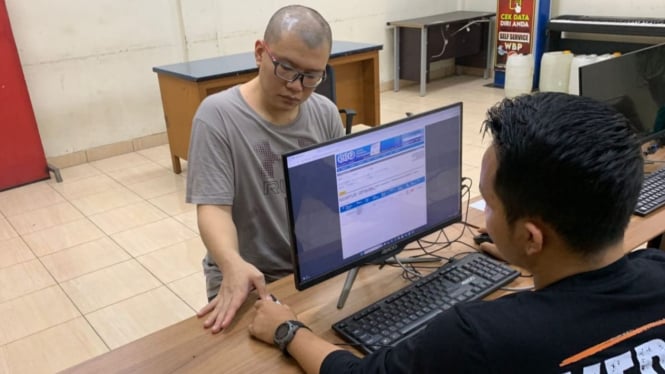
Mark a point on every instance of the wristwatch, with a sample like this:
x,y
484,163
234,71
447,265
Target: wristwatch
x,y
285,333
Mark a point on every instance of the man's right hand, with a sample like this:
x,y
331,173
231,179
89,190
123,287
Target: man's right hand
x,y
489,248
239,280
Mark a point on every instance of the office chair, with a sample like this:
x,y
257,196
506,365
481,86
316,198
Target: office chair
x,y
327,89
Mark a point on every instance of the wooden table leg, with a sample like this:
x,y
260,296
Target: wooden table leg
x,y
175,160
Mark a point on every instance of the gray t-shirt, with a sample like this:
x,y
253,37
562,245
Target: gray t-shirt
x,y
235,159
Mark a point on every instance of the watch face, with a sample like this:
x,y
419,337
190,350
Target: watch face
x,y
282,331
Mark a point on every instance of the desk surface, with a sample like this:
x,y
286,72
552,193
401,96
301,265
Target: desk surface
x,y
241,63
437,19
188,348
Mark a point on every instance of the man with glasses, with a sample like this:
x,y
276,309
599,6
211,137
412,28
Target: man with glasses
x,y
234,166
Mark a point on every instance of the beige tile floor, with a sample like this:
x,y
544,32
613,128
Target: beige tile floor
x,y
113,253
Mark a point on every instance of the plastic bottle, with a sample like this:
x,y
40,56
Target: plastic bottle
x,y
519,75
555,71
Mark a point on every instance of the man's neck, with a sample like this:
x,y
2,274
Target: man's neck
x,y
251,92
563,263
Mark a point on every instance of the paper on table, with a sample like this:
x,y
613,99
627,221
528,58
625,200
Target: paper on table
x,y
480,205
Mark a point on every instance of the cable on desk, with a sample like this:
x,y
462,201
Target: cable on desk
x,y
465,194
465,27
430,248
470,23
411,270
465,191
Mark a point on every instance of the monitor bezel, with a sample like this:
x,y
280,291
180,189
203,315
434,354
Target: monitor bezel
x,y
389,250
642,137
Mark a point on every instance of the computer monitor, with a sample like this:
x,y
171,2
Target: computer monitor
x,y
634,83
363,197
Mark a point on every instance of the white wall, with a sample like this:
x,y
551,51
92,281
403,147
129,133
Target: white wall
x,y
88,63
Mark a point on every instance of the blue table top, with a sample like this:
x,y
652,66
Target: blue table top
x,y
236,64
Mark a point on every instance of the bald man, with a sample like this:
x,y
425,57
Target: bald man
x,y
235,174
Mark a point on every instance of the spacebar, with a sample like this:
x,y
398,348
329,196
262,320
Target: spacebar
x,y
419,322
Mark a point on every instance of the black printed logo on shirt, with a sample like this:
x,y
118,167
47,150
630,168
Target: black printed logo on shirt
x,y
268,158
271,185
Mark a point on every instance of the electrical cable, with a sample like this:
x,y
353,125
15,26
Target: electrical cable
x,y
413,271
465,27
429,248
445,43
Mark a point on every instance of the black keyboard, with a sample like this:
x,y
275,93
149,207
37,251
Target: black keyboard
x,y
407,311
652,195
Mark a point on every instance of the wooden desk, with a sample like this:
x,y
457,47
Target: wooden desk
x,y
187,348
463,35
183,86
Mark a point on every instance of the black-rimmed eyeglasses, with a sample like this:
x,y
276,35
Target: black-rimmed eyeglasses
x,y
288,73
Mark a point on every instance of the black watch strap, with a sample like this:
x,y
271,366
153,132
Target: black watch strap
x,y
285,333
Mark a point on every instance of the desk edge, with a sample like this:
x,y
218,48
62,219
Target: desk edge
x,y
161,70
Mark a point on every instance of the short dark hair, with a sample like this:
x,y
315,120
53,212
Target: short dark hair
x,y
305,22
569,160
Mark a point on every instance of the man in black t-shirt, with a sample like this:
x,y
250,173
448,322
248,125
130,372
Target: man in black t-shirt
x,y
560,181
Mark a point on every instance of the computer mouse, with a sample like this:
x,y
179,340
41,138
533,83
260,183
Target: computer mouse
x,y
482,238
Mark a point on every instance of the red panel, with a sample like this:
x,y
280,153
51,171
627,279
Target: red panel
x,y
22,158
515,25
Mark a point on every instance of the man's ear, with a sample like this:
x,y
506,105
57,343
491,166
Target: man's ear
x,y
534,238
258,52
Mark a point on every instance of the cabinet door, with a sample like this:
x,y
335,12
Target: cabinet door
x,y
22,158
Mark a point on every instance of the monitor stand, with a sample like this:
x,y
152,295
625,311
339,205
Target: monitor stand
x,y
351,275
348,283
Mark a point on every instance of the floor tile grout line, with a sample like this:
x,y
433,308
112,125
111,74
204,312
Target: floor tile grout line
x,y
41,331
166,284
34,184
109,236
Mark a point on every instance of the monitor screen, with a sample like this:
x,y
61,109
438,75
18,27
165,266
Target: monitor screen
x,y
634,83
363,197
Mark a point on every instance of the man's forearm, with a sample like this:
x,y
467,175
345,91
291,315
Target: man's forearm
x,y
218,233
310,350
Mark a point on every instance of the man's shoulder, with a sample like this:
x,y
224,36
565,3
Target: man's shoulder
x,y
220,98
319,109
221,105
648,254
319,101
